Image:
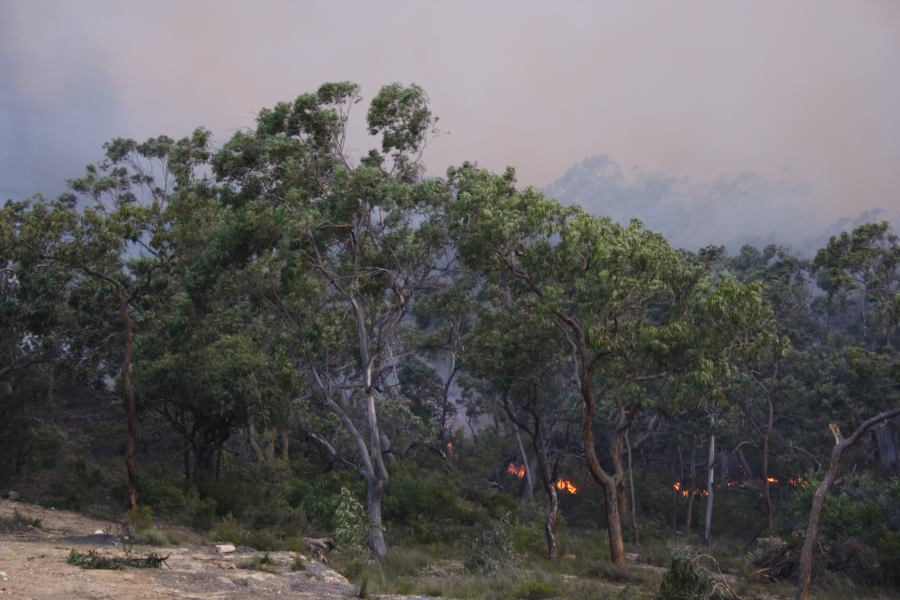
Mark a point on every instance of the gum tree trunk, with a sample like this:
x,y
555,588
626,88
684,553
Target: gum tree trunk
x,y
131,404
689,518
841,444
710,469
374,499
609,482
770,511
547,478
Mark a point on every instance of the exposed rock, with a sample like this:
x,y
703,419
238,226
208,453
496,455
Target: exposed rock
x,y
202,573
12,495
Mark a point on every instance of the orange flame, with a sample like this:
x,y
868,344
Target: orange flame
x,y
518,472
565,484
771,479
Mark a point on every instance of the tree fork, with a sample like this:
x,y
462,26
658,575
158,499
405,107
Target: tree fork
x,y
841,444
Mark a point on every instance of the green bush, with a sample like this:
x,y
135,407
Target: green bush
x,y
529,540
318,498
536,589
152,537
262,562
494,552
350,531
411,498
139,518
888,547
686,580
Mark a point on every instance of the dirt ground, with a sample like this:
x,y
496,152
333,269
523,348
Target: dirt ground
x,y
33,566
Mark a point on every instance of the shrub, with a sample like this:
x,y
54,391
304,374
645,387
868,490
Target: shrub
x,y
889,552
139,519
152,537
529,540
536,589
494,551
350,527
686,579
262,562
19,522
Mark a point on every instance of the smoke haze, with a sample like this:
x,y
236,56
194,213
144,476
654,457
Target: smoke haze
x,y
705,90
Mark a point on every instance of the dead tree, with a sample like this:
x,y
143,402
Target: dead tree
x,y
841,444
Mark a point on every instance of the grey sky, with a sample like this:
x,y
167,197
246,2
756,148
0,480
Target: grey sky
x,y
695,89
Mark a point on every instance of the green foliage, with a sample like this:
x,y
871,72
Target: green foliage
x,y
493,551
317,497
411,498
350,526
888,547
860,507
259,562
139,518
686,580
152,537
536,589
278,286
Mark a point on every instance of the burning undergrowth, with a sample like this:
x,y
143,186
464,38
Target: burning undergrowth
x,y
565,485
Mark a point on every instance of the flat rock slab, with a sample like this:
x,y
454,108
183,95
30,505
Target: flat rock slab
x,y
34,567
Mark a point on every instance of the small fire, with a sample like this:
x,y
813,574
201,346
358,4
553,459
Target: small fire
x,y
677,487
518,472
771,479
565,484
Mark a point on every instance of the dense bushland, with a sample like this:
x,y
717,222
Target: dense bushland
x,y
273,338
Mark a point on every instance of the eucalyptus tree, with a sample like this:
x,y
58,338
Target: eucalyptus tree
x,y
734,326
622,298
841,445
444,318
40,328
787,286
36,315
862,268
349,246
523,361
120,245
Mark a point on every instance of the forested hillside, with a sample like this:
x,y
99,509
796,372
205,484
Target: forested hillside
x,y
272,337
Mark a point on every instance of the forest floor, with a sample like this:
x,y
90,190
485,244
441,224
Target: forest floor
x,y
35,543
33,565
